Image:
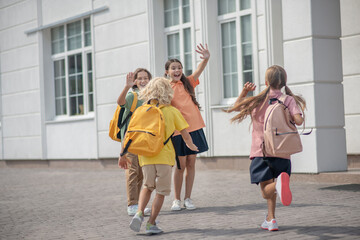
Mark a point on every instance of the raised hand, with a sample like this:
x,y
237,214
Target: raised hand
x,y
205,54
249,87
130,81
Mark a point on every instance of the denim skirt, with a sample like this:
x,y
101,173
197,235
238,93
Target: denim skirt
x,y
264,169
198,138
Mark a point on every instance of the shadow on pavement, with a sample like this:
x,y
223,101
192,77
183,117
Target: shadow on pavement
x,y
325,232
320,232
223,210
346,187
217,209
218,232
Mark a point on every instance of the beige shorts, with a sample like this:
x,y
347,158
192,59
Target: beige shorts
x,y
158,176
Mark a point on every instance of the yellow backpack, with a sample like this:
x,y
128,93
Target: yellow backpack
x,y
116,124
146,131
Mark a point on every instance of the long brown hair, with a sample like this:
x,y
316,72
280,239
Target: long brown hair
x,y
187,85
276,78
136,75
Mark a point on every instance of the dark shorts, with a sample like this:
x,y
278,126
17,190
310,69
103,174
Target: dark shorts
x,y
264,169
198,138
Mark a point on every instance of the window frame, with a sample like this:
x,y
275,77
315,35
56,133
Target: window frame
x,y
84,51
180,30
230,17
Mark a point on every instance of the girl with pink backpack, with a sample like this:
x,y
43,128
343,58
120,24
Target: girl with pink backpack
x,y
265,168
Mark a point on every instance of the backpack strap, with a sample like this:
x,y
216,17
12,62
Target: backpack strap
x,y
121,113
167,140
132,109
126,148
176,156
134,103
281,99
177,161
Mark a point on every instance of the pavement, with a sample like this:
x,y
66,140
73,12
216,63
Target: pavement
x,y
75,203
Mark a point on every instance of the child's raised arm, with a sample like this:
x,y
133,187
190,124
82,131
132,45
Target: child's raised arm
x,y
248,87
205,55
188,140
130,81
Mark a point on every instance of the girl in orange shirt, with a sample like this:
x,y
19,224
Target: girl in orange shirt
x,y
185,101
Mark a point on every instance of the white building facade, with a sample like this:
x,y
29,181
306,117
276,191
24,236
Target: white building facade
x,y
63,64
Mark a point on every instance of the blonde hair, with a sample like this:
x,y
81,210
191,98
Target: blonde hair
x,y
276,78
160,89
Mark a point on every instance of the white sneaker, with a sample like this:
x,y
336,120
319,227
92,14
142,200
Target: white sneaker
x,y
147,211
188,204
176,206
283,188
136,221
132,209
152,229
271,226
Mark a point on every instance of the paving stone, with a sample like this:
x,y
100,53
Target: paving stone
x,y
52,203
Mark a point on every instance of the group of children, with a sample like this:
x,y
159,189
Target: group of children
x,y
175,92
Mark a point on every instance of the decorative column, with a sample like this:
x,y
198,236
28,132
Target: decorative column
x,y
312,59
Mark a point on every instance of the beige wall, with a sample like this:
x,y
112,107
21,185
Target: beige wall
x,y
130,34
350,39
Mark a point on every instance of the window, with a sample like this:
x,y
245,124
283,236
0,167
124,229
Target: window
x,y
234,18
72,62
178,32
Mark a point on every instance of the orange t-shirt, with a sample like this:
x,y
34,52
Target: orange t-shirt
x,y
183,102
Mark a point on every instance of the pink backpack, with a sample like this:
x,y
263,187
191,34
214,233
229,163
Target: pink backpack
x,y
281,138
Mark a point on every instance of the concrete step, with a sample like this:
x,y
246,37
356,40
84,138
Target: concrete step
x,y
352,176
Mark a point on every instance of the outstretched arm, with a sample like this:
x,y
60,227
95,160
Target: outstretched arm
x,y
248,87
188,140
130,81
205,55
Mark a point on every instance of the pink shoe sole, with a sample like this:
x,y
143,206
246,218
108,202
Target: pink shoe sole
x,y
286,196
274,229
